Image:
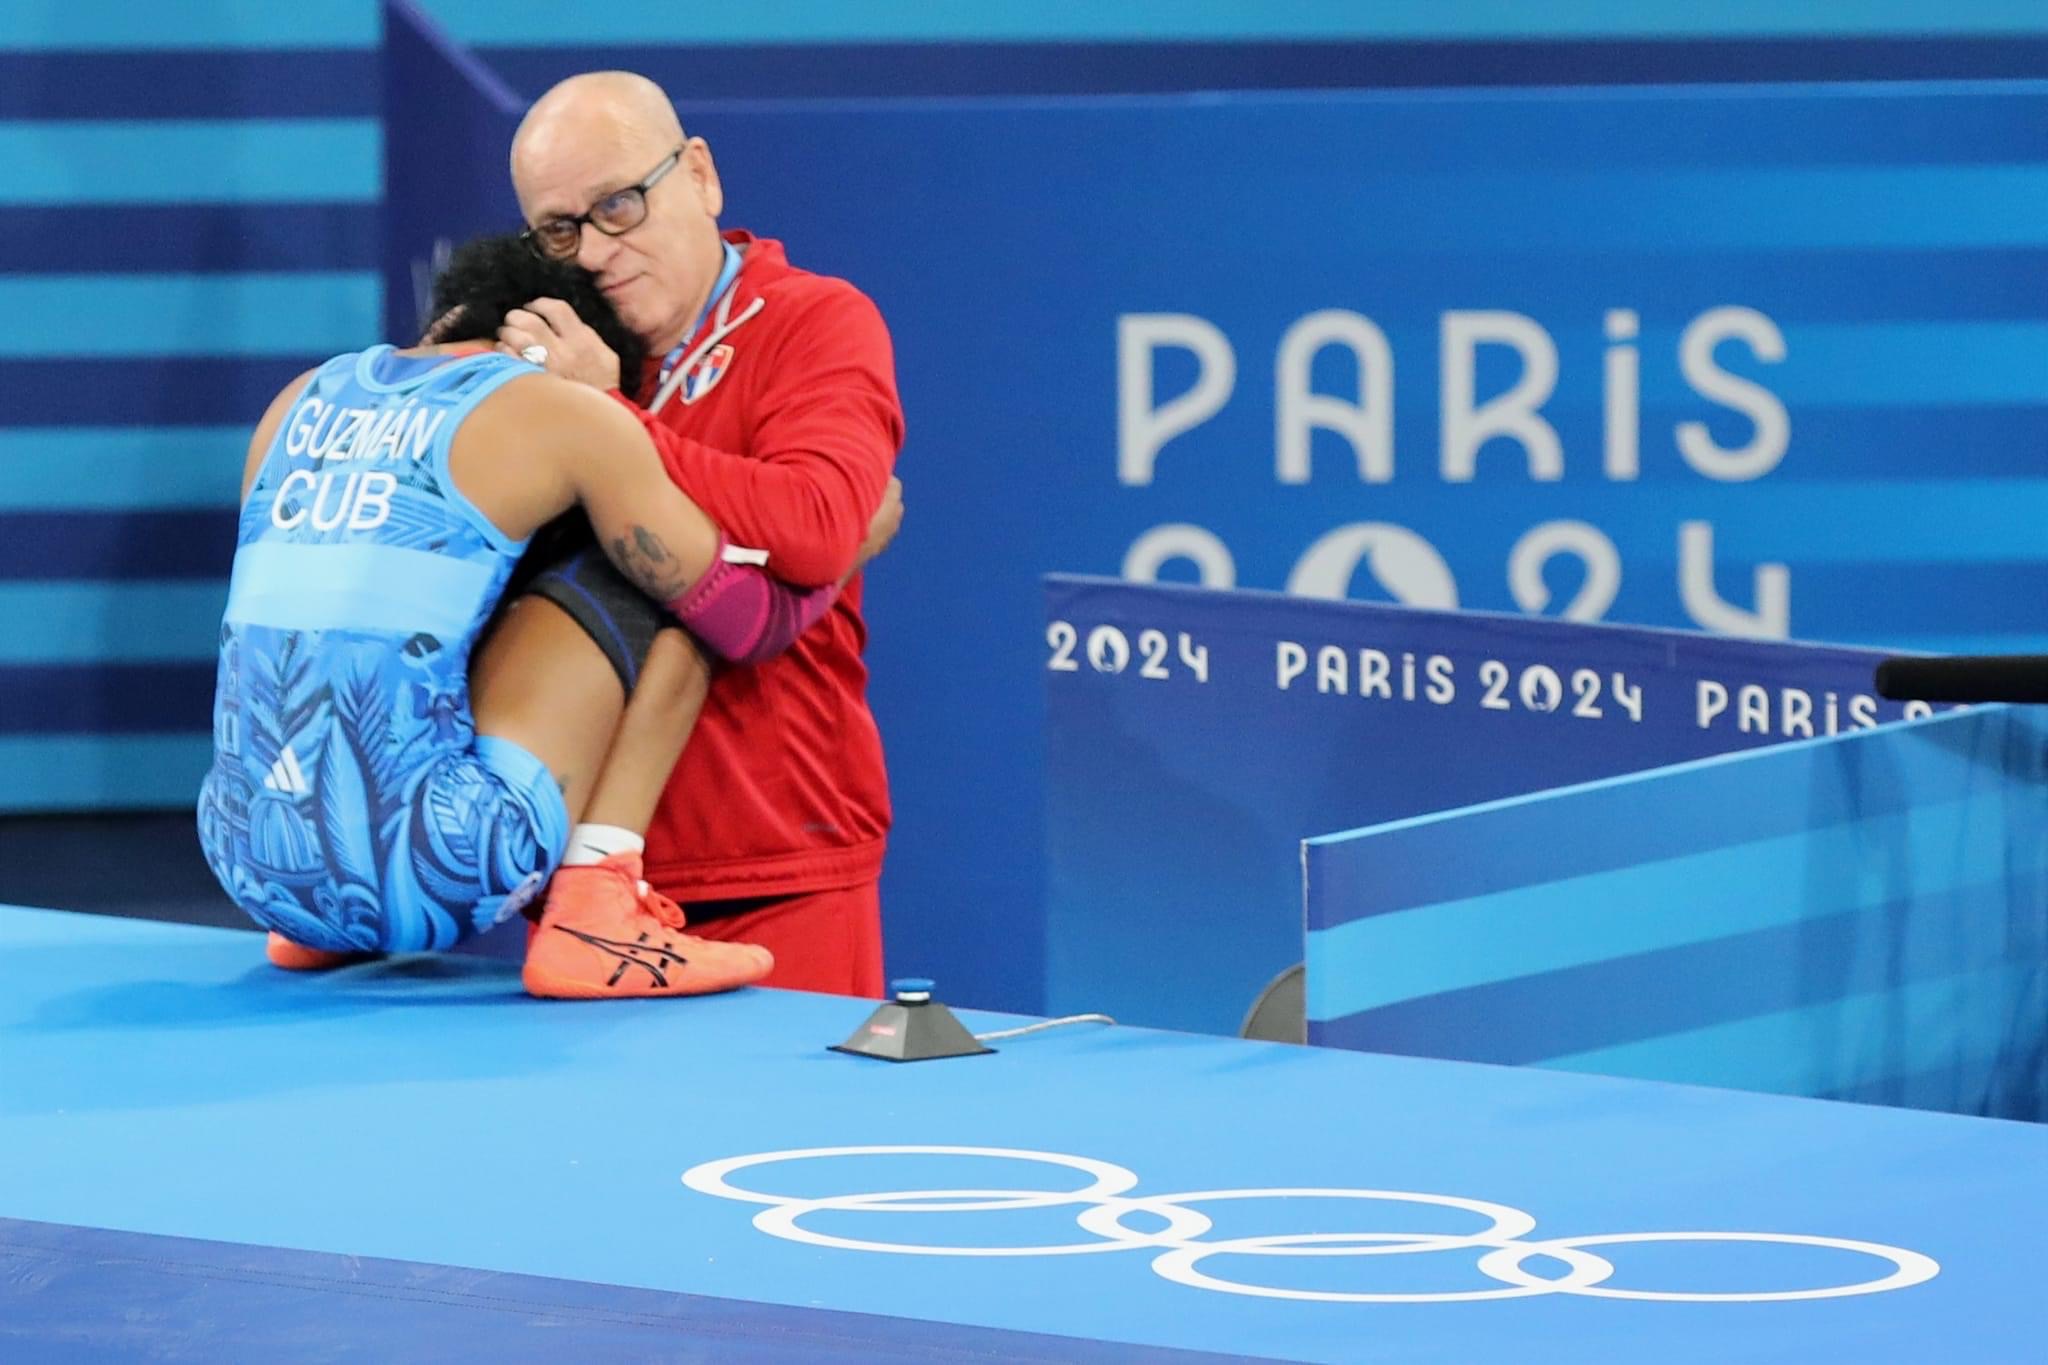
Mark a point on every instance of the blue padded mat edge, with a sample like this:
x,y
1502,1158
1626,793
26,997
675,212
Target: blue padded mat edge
x,y
85,1294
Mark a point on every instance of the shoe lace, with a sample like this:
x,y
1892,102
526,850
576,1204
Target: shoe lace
x,y
664,909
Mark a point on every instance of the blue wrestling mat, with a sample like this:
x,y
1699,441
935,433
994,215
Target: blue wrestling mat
x,y
201,1157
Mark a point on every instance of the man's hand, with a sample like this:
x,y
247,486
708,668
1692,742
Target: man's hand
x,y
573,350
888,520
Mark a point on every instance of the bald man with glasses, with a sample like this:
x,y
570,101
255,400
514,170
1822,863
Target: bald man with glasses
x,y
616,214
770,394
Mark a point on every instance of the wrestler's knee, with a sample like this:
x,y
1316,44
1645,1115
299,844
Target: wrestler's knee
x,y
484,832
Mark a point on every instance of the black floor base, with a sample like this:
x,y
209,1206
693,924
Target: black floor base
x,y
147,866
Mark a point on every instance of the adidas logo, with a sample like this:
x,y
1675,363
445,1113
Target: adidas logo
x,y
286,776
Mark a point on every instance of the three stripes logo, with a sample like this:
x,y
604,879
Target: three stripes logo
x,y
286,776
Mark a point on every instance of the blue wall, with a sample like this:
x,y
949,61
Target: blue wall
x,y
191,200
188,195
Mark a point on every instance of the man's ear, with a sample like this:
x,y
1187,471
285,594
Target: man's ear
x,y
705,172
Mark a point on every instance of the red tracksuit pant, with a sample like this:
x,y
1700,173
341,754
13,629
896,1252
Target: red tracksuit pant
x,y
829,941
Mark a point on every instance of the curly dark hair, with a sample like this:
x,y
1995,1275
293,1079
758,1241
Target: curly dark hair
x,y
490,276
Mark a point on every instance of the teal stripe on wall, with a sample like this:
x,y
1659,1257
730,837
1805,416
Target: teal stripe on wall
x,y
821,21
103,24
1780,209
1800,1051
1833,522
57,317
1948,363
110,623
193,161
1913,364
120,469
1713,894
1756,522
88,772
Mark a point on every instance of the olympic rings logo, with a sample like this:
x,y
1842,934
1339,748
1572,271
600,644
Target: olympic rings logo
x,y
1107,1204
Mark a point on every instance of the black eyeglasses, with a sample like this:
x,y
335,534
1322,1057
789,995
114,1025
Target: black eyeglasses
x,y
559,239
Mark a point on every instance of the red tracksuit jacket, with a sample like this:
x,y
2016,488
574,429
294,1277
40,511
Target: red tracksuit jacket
x,y
785,434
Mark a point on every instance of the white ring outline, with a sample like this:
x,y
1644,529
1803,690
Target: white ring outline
x,y
1178,1266
1503,1217
1912,1267
1109,1206
1178,1262
1110,1178
780,1221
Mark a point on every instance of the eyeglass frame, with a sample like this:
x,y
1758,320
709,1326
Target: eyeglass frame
x,y
532,240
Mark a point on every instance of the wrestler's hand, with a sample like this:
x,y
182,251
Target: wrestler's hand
x,y
888,520
574,351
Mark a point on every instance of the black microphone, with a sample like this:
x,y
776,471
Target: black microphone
x,y
1965,678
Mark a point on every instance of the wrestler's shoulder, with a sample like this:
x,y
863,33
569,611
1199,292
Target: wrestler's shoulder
x,y
529,402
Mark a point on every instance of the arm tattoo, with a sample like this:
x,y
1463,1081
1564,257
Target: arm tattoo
x,y
654,570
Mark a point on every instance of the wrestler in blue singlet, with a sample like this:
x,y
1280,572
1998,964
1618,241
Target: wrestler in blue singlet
x,y
351,804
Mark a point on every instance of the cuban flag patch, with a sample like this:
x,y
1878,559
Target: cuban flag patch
x,y
703,376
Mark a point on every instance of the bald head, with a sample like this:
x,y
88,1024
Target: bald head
x,y
626,110
605,139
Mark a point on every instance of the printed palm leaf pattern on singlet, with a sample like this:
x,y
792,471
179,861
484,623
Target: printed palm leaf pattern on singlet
x,y
288,711
224,798
450,810
346,806
419,515
450,840
367,754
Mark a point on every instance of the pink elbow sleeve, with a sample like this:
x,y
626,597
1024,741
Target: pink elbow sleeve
x,y
742,615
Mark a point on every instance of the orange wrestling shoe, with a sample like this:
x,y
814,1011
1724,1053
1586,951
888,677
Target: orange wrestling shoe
x,y
297,957
602,937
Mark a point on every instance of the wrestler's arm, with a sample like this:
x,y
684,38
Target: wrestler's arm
x,y
664,543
